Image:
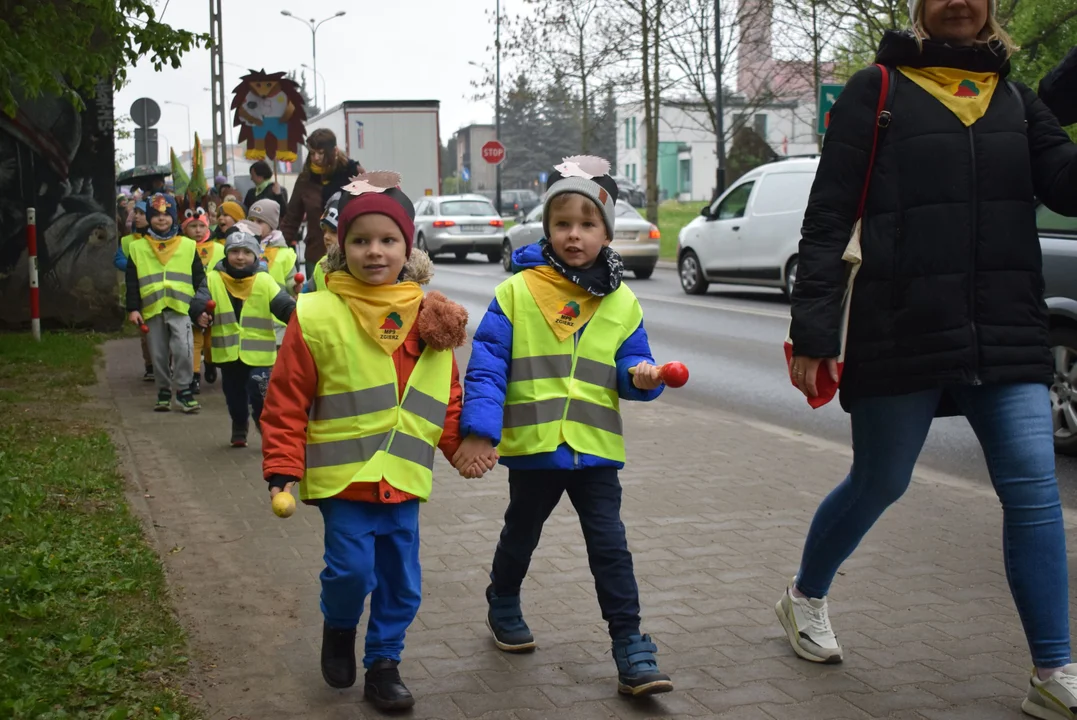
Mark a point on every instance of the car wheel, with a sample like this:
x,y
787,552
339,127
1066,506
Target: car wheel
x,y
1064,389
494,256
790,277
506,255
461,254
643,273
420,242
692,280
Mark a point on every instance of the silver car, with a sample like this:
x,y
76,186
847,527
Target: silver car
x,y
1058,242
459,224
636,240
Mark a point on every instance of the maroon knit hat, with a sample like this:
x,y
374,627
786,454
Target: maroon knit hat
x,y
391,202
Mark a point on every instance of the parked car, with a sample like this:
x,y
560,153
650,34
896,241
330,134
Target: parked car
x,y
630,192
458,224
1058,242
514,203
751,233
636,240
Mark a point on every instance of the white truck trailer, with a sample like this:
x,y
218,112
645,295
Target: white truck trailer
x,y
399,135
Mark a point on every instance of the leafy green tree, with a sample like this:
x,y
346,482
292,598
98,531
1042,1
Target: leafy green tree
x,y
61,47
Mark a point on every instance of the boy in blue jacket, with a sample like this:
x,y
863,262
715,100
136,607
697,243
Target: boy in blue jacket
x,y
561,344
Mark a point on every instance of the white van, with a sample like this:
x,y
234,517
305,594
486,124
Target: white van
x,y
750,234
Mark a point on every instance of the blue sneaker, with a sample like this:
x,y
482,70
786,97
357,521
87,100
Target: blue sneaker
x,y
506,622
637,669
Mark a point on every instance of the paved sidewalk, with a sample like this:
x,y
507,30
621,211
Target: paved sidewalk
x,y
716,509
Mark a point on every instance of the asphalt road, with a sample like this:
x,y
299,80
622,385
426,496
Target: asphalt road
x,y
731,341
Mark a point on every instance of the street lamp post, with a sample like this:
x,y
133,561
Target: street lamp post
x,y
497,102
325,102
188,108
719,110
231,149
313,40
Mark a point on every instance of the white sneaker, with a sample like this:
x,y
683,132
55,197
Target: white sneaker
x,y
1054,698
807,625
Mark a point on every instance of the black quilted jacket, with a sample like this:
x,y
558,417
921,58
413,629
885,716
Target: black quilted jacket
x,y
951,289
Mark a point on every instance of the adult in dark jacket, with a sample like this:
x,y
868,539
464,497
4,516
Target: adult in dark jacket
x,y
325,172
1058,89
947,314
265,188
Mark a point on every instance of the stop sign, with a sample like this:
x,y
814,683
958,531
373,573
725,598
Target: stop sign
x,y
493,152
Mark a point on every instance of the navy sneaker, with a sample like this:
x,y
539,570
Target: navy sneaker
x,y
637,669
383,688
164,401
506,622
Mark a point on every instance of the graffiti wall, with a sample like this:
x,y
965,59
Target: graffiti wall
x,y
60,161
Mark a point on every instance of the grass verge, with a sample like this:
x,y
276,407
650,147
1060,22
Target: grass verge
x,y
85,625
672,217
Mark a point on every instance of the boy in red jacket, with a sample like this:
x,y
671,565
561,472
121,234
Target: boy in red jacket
x,y
365,388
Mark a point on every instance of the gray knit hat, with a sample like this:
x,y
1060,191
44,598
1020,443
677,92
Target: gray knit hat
x,y
914,8
268,211
585,175
240,240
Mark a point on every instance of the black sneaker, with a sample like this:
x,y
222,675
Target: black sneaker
x,y
506,622
148,375
239,435
338,657
187,402
196,385
164,401
637,669
211,373
383,687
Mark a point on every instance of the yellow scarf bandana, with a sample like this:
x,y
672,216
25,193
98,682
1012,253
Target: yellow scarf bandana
x,y
270,254
205,251
165,249
320,171
238,288
966,94
566,306
385,312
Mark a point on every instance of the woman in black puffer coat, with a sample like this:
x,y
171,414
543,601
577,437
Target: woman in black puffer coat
x,y
948,314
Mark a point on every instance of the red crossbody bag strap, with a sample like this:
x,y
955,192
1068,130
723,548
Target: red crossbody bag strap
x,y
882,119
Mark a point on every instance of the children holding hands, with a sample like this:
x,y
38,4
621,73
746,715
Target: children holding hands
x,y
365,391
560,345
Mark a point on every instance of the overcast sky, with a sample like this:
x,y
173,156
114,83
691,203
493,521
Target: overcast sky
x,y
382,50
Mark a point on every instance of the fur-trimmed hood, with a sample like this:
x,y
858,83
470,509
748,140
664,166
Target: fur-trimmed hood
x,y
442,323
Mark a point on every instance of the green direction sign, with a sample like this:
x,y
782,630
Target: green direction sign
x,y
828,95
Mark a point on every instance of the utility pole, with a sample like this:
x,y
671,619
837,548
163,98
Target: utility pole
x,y
497,104
719,110
216,85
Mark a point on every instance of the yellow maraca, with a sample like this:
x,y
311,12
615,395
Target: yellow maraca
x,y
283,504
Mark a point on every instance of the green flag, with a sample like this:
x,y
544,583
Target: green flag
x,y
197,188
180,181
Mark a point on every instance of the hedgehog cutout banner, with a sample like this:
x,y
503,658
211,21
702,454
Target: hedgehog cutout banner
x,y
270,114
373,182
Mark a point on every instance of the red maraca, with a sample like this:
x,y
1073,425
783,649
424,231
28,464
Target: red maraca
x,y
211,305
674,374
299,278
144,328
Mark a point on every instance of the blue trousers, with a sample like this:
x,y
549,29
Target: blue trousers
x,y
1013,424
372,549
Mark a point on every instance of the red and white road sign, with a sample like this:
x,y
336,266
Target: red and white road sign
x,y
493,152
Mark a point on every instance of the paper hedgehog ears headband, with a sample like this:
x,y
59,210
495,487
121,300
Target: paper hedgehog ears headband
x,y
381,182
585,167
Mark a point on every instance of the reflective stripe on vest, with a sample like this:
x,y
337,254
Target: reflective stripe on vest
x,y
359,429
164,286
249,337
564,391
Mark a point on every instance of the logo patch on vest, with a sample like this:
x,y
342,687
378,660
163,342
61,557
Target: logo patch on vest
x,y
569,312
392,325
162,246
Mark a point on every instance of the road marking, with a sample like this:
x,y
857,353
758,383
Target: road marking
x,y
715,306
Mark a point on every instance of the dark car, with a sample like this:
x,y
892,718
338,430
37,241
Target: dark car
x,y
630,192
515,203
1058,241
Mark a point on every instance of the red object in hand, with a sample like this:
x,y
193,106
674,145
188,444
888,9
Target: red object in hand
x,y
211,305
299,278
144,328
674,374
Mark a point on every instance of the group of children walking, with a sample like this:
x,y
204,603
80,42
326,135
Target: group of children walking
x,y
367,390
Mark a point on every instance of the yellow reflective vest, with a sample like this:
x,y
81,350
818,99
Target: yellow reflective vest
x,y
249,337
319,275
163,286
564,391
281,264
126,240
210,252
360,429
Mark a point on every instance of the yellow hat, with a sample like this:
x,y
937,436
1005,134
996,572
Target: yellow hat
x,y
233,210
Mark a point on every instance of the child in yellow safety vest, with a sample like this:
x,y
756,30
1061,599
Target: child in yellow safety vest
x,y
242,343
164,276
561,344
280,259
329,231
140,224
365,389
210,252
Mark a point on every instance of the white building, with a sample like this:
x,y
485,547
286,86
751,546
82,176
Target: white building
x,y
687,146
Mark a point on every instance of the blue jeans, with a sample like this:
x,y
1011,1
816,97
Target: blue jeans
x,y
596,495
372,549
1013,424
